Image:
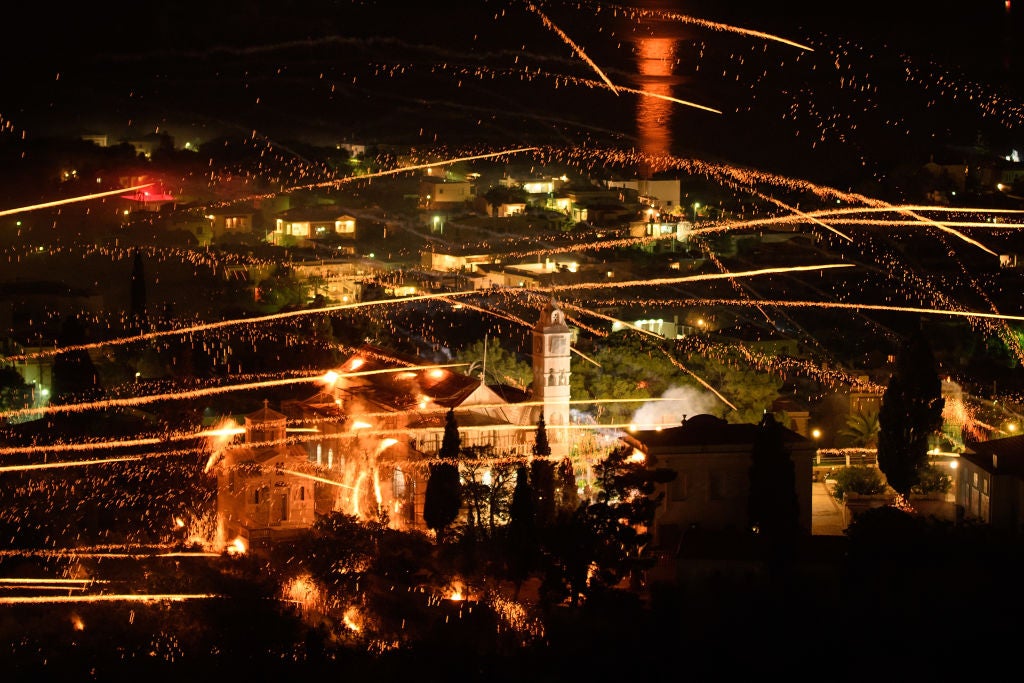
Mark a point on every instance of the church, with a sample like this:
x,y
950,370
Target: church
x,y
361,444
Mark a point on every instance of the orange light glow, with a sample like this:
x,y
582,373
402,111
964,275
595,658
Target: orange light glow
x,y
352,619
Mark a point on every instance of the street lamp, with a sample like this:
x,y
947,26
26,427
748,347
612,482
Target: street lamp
x,y
696,205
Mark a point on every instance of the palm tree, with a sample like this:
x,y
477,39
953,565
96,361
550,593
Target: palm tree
x,y
861,429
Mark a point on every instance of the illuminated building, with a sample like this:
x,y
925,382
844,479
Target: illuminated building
x,y
712,459
260,496
382,417
990,483
302,227
551,356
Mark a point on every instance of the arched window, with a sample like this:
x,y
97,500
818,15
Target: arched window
x,y
302,493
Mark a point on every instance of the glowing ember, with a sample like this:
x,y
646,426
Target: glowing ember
x,y
352,619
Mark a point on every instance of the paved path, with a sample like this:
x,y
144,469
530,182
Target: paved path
x,y
826,512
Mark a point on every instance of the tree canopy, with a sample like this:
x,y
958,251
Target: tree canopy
x,y
633,367
501,366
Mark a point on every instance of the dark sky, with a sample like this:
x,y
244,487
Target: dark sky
x,y
331,69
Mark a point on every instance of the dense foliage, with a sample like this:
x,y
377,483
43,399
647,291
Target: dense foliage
x,y
911,414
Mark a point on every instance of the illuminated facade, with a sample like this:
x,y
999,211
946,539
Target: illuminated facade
x,y
551,360
361,444
712,459
263,493
304,226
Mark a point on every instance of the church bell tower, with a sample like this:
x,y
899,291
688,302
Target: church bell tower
x,y
551,338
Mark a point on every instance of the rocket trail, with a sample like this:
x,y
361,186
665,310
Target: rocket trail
x,y
774,220
798,212
125,597
847,306
611,319
700,278
415,167
693,375
72,200
73,463
198,393
667,98
228,323
713,25
575,48
322,480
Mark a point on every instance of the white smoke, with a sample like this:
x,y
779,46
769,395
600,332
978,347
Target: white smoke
x,y
687,401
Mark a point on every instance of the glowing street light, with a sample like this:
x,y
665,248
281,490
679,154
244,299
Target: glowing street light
x,y
696,206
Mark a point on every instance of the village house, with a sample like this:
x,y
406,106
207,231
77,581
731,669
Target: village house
x,y
712,459
309,226
990,483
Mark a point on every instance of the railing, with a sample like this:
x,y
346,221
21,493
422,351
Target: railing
x,y
846,457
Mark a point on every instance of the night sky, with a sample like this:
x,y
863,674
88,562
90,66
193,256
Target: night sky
x,y
493,73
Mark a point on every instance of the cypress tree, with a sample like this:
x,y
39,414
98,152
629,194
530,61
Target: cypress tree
x,y
444,491
522,532
541,447
542,476
911,413
568,498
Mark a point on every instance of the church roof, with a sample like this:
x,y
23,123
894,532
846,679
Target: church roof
x,y
706,430
265,414
402,390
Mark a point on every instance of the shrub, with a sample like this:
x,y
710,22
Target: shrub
x,y
934,479
862,479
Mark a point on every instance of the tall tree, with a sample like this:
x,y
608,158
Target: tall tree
x,y
522,531
606,541
911,413
773,507
444,490
542,476
568,496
